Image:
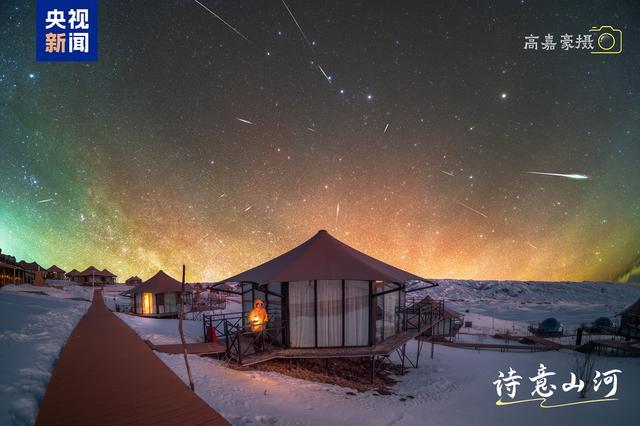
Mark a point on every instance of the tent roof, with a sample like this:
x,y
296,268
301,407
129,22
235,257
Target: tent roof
x,y
323,257
91,270
159,283
29,266
106,272
54,268
73,272
633,309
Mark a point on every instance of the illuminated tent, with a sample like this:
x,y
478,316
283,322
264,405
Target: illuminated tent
x,y
327,294
159,296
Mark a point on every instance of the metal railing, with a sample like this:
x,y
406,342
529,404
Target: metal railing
x,y
421,315
123,307
243,343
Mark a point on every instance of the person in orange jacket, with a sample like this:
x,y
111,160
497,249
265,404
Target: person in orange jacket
x,y
258,319
258,316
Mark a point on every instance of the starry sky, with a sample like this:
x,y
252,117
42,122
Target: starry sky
x,y
406,129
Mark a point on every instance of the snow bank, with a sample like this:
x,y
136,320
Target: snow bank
x,y
34,328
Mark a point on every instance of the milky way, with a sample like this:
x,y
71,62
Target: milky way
x,y
406,129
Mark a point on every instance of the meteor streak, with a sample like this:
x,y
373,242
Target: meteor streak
x,y
568,176
386,128
244,121
325,74
223,21
45,201
297,25
446,173
472,209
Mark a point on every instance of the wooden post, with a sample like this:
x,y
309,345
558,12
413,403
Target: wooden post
x,y
432,345
184,343
373,368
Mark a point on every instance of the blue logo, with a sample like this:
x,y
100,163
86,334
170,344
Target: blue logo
x,y
66,30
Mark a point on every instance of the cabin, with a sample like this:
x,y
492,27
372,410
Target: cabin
x,y
327,299
72,275
630,321
33,269
54,273
12,272
135,280
158,297
92,277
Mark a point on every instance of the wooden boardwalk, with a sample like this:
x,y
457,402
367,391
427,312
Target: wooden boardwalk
x,y
107,375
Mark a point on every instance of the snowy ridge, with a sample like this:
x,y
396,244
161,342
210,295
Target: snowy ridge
x,y
535,292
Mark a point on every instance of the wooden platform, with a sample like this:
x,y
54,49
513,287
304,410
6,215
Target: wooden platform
x,y
548,343
106,375
613,347
192,348
497,346
383,348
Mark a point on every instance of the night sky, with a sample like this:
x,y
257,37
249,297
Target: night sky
x,y
403,128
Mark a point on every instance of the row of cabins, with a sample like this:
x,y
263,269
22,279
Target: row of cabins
x,y
22,272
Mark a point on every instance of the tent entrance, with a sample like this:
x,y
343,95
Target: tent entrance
x,y
147,303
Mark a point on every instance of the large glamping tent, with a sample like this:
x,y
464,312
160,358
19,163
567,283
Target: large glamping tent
x,y
159,296
324,293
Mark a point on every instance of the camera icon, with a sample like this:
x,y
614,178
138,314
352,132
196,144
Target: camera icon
x,y
608,41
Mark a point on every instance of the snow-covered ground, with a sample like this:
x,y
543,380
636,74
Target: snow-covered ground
x,y
33,329
455,388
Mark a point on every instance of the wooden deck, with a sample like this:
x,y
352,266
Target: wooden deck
x,y
612,347
192,348
495,346
548,343
106,375
383,348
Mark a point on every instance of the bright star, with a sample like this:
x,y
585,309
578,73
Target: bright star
x,y
369,97
32,76
503,96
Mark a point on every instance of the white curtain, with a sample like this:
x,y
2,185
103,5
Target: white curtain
x,y
170,302
391,303
302,314
356,313
329,312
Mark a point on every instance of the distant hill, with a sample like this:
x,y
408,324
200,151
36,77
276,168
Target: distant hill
x,y
522,293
